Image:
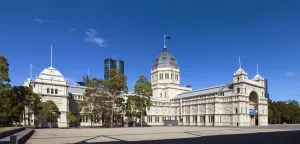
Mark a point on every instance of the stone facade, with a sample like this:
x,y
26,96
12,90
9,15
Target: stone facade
x,y
241,102
51,85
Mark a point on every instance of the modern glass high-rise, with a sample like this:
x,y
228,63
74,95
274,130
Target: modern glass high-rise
x,y
86,80
110,64
267,95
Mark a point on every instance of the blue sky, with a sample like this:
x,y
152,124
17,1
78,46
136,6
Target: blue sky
x,y
206,38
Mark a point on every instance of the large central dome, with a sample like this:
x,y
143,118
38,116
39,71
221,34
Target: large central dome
x,y
165,60
51,73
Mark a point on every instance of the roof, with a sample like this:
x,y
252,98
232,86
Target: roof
x,y
76,89
209,90
165,59
51,73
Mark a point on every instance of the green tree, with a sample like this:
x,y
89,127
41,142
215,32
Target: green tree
x,y
49,111
138,104
115,86
294,110
131,107
71,118
4,69
7,109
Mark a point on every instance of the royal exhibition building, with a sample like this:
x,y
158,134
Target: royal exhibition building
x,y
239,103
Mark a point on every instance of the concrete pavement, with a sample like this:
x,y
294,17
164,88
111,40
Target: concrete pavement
x,y
151,134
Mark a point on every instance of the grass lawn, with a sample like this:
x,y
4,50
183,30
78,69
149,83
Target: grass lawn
x,y
6,128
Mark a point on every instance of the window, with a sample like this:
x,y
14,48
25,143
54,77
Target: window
x,y
48,90
161,95
52,91
150,118
245,90
172,75
161,76
238,79
55,91
165,95
246,110
241,110
194,118
236,110
212,118
176,77
238,90
187,119
166,75
202,119
157,119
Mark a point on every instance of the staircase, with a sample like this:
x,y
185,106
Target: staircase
x,y
15,135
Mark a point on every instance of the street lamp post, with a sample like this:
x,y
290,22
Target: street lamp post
x,y
141,96
51,118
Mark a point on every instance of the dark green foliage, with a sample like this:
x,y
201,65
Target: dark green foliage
x,y
140,102
284,112
49,111
4,68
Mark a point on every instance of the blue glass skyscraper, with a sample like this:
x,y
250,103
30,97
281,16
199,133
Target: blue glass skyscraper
x,y
110,64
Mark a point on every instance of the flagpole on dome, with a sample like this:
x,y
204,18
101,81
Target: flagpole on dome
x,y
31,66
165,46
51,57
164,40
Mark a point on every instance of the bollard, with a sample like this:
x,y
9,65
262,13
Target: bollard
x,y
13,139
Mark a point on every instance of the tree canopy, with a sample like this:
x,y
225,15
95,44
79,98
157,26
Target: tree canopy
x,y
138,103
284,112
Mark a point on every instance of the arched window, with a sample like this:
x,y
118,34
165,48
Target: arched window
x,y
55,91
238,79
48,90
238,90
52,91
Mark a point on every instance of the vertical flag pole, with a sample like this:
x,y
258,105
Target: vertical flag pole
x,y
240,62
164,40
51,56
257,68
31,71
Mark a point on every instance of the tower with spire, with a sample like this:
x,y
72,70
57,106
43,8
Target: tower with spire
x,y
165,76
240,75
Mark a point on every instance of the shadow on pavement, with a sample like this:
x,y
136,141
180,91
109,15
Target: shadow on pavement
x,y
255,138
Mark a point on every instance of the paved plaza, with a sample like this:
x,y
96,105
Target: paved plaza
x,y
185,135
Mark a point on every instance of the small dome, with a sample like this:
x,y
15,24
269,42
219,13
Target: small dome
x,y
240,71
52,74
258,77
165,59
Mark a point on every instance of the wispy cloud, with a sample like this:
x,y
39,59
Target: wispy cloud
x,y
290,73
71,29
91,36
43,20
39,20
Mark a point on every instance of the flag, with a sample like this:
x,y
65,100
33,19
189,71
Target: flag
x,y
167,37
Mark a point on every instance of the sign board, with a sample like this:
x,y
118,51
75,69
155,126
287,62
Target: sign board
x,y
252,111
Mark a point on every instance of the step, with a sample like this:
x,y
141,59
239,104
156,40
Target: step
x,y
5,133
22,136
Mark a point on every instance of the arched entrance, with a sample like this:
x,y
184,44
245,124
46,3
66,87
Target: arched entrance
x,y
253,108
